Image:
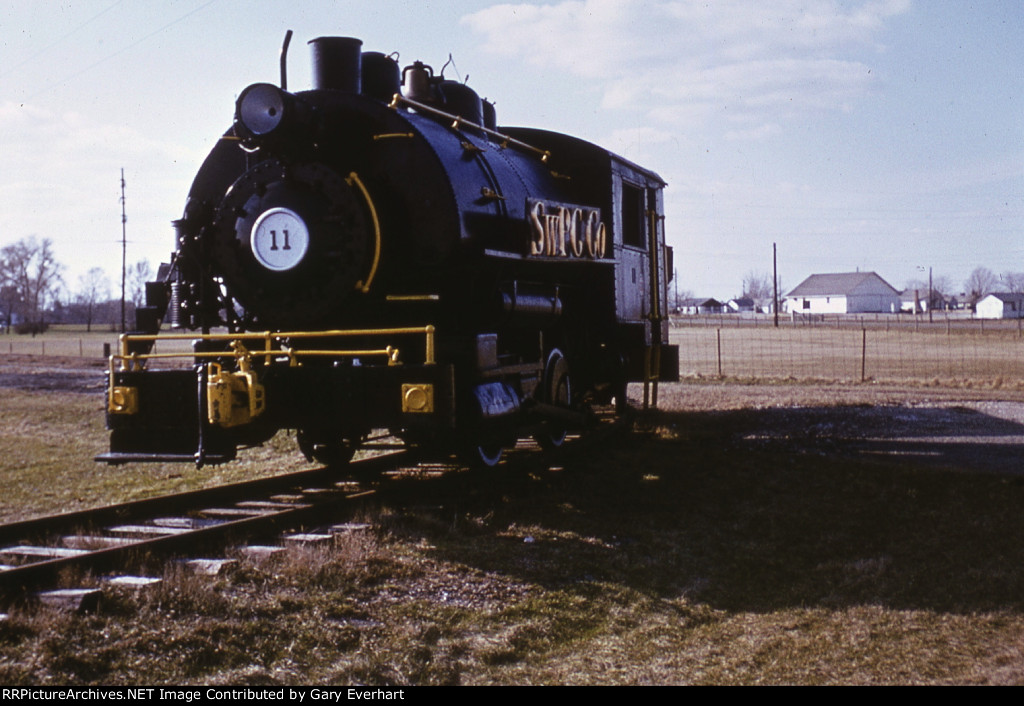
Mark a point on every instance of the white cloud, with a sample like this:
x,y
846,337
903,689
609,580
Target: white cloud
x,y
763,62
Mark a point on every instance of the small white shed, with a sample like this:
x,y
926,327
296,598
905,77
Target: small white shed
x,y
1000,305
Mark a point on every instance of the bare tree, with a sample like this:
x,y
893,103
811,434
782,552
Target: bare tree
x,y
758,287
30,267
681,296
10,295
981,283
93,289
1013,281
138,275
943,290
10,300
942,285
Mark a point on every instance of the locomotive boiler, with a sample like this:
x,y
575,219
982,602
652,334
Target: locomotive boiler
x,y
376,253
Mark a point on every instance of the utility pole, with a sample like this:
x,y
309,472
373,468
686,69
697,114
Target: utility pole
x,y
124,249
931,295
775,284
675,276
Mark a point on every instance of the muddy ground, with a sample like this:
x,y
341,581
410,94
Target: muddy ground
x,y
53,375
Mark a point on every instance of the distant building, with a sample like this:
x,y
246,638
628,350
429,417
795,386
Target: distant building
x,y
740,305
843,293
1000,305
700,305
908,298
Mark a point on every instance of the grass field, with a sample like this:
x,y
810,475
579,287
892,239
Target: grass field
x,y
71,341
931,356
666,554
47,445
719,541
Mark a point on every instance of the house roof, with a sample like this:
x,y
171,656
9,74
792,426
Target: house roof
x,y
1008,296
700,301
907,295
742,301
837,284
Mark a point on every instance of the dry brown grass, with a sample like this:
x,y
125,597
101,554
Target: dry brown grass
x,y
727,540
671,553
48,441
821,353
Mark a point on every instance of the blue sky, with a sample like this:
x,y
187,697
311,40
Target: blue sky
x,y
883,135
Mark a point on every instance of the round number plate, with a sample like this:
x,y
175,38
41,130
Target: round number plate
x,y
280,239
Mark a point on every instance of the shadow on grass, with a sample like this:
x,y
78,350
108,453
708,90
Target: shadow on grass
x,y
760,510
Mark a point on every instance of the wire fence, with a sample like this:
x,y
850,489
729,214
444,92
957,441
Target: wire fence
x,y
851,348
45,345
94,345
949,349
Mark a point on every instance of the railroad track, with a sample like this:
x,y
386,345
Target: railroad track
x,y
34,554
114,540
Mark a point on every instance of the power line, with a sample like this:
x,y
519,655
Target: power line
x,y
51,45
120,51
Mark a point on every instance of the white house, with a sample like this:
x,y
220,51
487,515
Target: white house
x,y
739,305
1000,305
843,293
700,305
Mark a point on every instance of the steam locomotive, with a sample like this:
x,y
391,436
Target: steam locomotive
x,y
375,253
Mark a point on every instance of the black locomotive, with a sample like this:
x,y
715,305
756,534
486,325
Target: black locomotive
x,y
376,254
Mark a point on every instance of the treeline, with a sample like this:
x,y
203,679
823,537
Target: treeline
x,y
34,293
982,281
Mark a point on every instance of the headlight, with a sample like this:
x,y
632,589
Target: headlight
x,y
262,108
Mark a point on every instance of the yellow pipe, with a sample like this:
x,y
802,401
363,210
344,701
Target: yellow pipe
x,y
270,335
130,360
354,178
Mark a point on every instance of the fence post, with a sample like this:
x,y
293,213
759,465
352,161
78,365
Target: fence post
x,y
863,353
718,335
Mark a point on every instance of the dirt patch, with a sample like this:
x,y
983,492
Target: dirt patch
x,y
964,429
56,374
957,427
77,381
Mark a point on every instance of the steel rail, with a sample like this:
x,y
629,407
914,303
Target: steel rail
x,y
19,580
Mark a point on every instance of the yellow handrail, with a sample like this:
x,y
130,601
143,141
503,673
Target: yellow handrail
x,y
130,360
504,141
